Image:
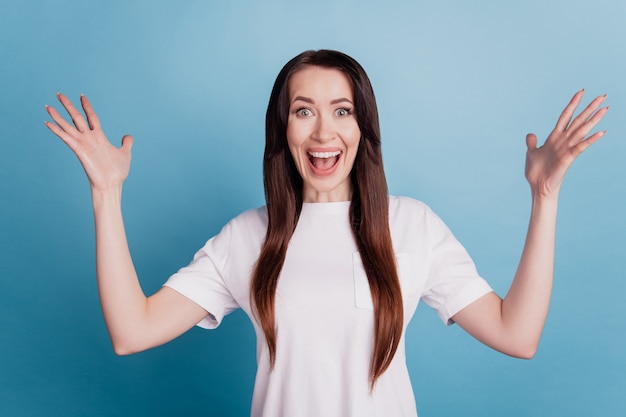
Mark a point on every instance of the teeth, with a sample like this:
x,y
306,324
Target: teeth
x,y
324,154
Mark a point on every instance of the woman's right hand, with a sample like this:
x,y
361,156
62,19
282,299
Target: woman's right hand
x,y
135,322
106,166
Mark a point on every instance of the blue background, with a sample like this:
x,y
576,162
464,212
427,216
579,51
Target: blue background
x,y
458,83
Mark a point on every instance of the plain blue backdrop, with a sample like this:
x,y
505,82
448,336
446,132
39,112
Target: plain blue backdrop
x,y
459,84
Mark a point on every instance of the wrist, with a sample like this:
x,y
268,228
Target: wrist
x,y
109,197
544,203
541,194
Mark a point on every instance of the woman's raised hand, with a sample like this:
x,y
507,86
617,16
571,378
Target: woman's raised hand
x,y
546,165
106,166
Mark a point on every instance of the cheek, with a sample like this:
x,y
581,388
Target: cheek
x,y
293,151
294,146
355,138
294,135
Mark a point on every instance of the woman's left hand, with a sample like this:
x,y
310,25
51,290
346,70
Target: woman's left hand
x,y
546,165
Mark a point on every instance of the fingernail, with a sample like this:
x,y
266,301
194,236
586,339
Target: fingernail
x,y
82,95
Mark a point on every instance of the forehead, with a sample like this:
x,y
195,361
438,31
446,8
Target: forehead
x,y
319,83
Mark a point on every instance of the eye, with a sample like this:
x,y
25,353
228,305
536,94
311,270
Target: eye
x,y
304,112
343,111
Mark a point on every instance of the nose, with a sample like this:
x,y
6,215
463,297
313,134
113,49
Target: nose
x,y
324,129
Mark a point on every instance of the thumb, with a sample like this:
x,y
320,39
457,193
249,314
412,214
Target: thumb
x,y
127,142
531,141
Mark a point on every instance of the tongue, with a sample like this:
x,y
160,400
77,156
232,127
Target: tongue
x,y
323,164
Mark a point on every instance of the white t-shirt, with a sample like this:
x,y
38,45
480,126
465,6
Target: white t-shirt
x,y
323,307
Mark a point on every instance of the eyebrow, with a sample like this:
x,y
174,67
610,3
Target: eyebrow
x,y
335,101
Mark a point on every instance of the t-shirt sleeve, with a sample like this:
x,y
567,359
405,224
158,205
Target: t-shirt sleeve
x,y
203,281
452,281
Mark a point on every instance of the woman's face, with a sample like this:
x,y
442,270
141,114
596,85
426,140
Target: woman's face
x,y
322,132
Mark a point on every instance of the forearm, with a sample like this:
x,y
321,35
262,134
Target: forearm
x,y
514,325
135,323
123,301
525,307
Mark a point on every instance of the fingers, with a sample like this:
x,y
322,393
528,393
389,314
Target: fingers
x,y
531,141
67,128
127,142
77,118
575,130
586,114
585,128
65,137
582,146
568,112
94,123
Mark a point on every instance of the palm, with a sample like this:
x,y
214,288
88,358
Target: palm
x,y
546,165
106,165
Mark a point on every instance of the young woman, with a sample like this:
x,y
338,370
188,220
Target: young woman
x,y
331,270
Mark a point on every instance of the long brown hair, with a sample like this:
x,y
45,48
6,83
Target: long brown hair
x,y
369,208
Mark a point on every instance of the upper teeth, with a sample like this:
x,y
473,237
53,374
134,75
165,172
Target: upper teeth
x,y
324,154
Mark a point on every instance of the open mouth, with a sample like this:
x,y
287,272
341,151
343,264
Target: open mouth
x,y
324,161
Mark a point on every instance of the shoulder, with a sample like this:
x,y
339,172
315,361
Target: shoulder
x,y
250,222
247,230
401,206
411,217
252,216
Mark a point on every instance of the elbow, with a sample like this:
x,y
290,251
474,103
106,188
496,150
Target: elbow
x,y
527,351
125,347
528,354
129,340
123,350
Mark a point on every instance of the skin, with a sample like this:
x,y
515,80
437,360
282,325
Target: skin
x,y
134,322
321,119
512,325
